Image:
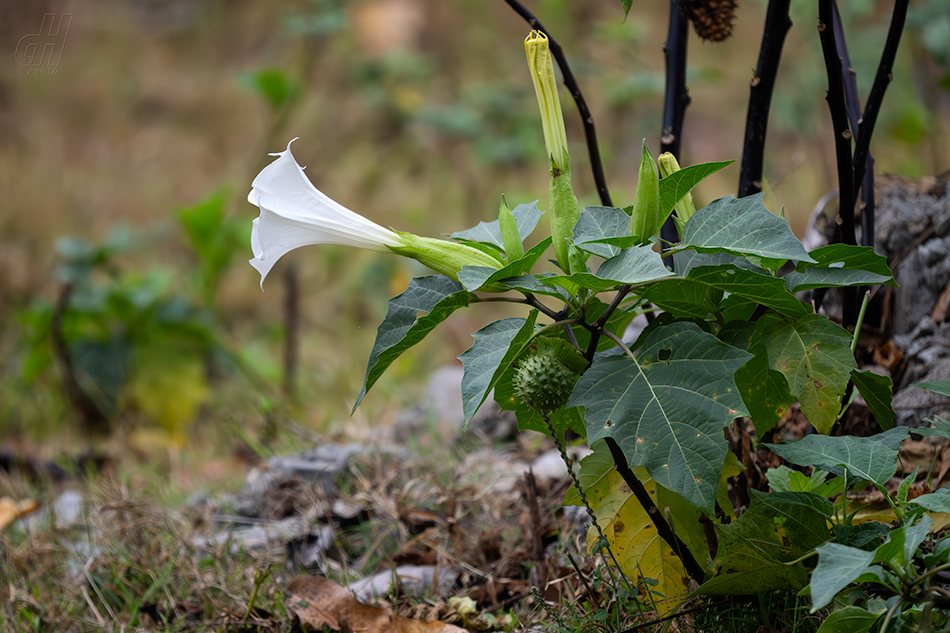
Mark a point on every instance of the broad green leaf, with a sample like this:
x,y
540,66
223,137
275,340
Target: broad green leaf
x,y
941,428
496,346
481,277
877,392
862,535
940,554
754,550
684,298
937,386
667,408
526,218
742,226
838,566
596,223
633,538
815,356
871,459
764,391
764,289
915,536
841,265
849,619
536,284
678,184
405,324
784,479
634,265
938,501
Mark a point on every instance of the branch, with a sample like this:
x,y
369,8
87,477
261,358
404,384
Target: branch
x,y
777,24
876,97
662,527
593,149
676,97
843,134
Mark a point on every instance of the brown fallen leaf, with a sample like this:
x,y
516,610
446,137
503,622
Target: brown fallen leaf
x,y
11,510
320,602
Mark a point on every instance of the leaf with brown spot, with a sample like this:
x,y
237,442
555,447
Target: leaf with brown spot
x,y
320,602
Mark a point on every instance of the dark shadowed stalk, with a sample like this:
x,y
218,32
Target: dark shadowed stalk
x,y
675,98
593,149
883,77
842,133
777,24
693,568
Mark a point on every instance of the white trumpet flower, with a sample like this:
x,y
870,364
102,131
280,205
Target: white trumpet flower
x,y
294,213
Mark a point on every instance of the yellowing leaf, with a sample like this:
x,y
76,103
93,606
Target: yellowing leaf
x,y
168,384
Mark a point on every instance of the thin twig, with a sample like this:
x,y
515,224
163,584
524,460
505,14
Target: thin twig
x,y
622,292
593,149
777,24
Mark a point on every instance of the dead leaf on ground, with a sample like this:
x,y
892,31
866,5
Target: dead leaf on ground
x,y
11,510
320,602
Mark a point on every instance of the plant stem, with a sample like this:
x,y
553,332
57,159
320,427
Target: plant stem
x,y
843,135
622,292
593,149
590,512
680,548
860,321
777,24
676,97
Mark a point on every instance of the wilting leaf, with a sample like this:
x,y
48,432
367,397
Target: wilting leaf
x,y
320,602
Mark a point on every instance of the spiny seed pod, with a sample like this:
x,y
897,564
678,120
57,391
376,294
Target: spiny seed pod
x,y
544,383
712,19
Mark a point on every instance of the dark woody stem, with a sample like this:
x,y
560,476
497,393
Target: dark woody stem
x,y
676,97
593,149
777,24
843,135
693,568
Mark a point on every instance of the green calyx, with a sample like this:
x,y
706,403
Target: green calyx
x,y
645,218
445,257
510,237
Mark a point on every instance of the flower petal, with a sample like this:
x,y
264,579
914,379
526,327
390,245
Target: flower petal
x,y
294,213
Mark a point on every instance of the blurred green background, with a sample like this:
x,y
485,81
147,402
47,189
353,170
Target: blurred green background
x,y
124,170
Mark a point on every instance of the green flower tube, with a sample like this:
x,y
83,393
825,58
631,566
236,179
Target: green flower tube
x,y
564,207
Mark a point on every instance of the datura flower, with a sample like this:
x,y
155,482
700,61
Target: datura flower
x,y
565,210
294,213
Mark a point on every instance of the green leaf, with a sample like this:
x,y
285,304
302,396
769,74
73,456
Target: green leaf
x,y
742,226
667,408
596,223
871,459
815,356
755,550
941,428
862,535
938,501
273,84
849,620
526,218
634,265
838,566
496,346
764,289
877,391
435,295
937,386
481,277
626,4
536,284
840,265
764,391
679,183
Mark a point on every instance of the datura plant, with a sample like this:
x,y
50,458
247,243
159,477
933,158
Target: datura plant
x,y
728,337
